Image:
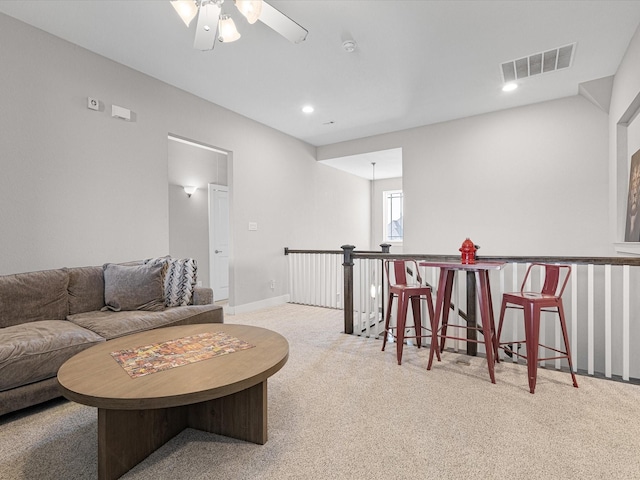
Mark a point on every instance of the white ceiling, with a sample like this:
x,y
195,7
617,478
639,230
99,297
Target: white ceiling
x,y
417,62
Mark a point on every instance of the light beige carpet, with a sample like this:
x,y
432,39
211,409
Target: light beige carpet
x,y
342,409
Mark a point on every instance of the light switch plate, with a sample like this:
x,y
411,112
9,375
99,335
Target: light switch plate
x,y
253,226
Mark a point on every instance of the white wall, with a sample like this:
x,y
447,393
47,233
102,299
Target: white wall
x,y
524,181
189,228
81,188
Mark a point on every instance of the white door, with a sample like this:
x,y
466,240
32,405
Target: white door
x,y
219,240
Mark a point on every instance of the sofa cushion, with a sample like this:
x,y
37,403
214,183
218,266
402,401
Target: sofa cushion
x,y
34,351
109,324
86,289
28,297
179,281
134,287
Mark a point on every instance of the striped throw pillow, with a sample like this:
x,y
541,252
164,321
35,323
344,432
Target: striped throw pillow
x,y
180,280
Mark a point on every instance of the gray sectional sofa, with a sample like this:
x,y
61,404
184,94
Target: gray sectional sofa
x,y
46,317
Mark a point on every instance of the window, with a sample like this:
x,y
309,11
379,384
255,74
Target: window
x,y
393,230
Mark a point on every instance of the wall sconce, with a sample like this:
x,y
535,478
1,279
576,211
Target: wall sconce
x,y
189,190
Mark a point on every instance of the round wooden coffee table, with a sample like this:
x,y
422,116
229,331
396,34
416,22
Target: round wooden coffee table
x,y
225,394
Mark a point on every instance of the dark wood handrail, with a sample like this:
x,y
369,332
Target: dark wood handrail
x,y
288,250
632,261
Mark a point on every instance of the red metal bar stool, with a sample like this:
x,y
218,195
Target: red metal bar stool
x,y
405,292
549,299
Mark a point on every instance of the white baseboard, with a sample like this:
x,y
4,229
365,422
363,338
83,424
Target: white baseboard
x,y
250,307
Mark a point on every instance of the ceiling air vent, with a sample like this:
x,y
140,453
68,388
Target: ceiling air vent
x,y
543,62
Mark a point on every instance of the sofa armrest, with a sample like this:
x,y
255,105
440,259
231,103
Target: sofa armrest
x,y
202,296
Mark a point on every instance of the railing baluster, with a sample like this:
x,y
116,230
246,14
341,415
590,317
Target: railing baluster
x,y
333,282
357,299
365,292
324,297
607,321
301,271
305,286
590,320
302,289
301,285
379,298
312,280
543,323
315,289
313,284
574,317
293,275
339,284
625,322
338,280
324,281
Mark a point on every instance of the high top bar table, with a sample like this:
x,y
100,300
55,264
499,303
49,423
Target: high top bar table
x,y
443,304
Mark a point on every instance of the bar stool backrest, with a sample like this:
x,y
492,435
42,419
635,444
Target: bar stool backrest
x,y
400,270
555,278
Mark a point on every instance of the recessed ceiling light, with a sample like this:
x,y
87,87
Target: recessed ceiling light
x,y
307,109
509,87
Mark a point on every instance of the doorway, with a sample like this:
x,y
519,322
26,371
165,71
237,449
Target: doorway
x,y
193,231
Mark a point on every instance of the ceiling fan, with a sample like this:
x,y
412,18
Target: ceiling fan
x,y
214,25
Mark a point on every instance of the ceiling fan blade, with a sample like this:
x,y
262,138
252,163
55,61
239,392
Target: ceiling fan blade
x,y
282,24
207,28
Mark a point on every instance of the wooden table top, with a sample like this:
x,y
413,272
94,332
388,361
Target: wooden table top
x,y
464,266
93,377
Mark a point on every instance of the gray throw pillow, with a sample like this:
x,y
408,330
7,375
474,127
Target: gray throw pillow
x,y
133,287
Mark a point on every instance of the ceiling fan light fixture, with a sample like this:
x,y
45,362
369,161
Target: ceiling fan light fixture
x,y
250,9
211,25
206,29
227,29
186,9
